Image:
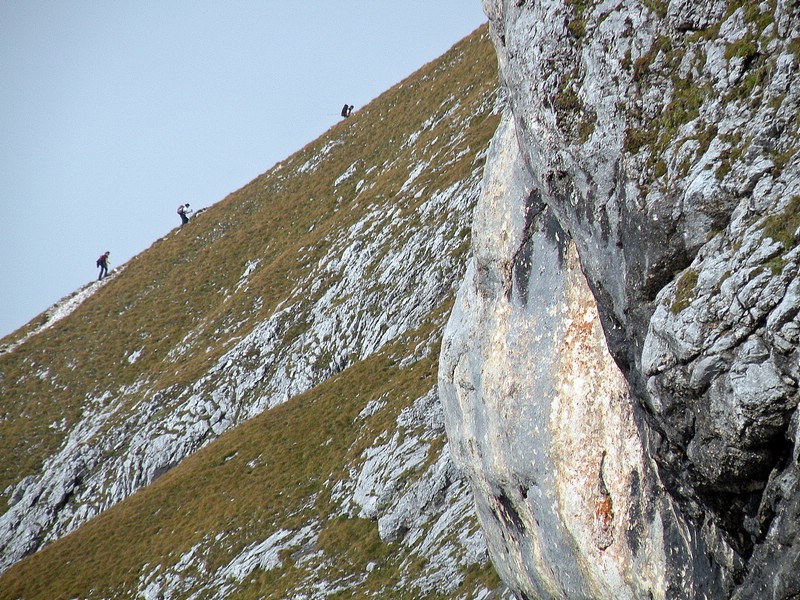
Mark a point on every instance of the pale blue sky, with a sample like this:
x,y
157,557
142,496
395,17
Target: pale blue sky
x,y
112,113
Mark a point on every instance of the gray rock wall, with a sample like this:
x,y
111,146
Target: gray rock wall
x,y
646,180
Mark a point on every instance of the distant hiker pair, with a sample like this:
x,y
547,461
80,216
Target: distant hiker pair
x,y
184,211
347,110
102,262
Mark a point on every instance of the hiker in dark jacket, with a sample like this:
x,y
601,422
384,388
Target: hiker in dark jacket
x,y
102,262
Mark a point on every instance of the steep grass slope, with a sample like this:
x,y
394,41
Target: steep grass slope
x,y
259,512
313,297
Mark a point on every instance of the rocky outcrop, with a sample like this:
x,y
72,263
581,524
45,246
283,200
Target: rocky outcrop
x,y
536,410
642,196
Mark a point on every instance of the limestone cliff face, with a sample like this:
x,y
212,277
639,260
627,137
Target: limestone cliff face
x,y
620,371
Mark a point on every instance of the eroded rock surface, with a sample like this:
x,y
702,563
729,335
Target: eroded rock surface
x,y
650,148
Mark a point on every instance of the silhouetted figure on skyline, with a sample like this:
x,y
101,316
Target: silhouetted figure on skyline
x,y
184,211
102,262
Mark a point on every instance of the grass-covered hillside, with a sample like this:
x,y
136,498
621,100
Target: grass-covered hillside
x,y
249,406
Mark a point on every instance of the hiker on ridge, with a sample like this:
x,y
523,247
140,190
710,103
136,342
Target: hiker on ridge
x,y
102,262
345,110
184,211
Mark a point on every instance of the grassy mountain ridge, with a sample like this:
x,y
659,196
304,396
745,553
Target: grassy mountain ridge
x,y
179,284
323,283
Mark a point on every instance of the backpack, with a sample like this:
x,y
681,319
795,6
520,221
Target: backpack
x,y
100,260
180,209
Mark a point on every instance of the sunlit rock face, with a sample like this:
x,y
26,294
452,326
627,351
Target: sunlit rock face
x,y
620,372
537,411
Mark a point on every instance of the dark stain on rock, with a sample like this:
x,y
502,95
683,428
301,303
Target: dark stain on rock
x,y
506,512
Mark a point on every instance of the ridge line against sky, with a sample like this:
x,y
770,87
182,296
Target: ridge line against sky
x,y
113,113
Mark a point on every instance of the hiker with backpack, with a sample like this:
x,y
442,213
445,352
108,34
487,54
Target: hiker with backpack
x,y
102,262
184,211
